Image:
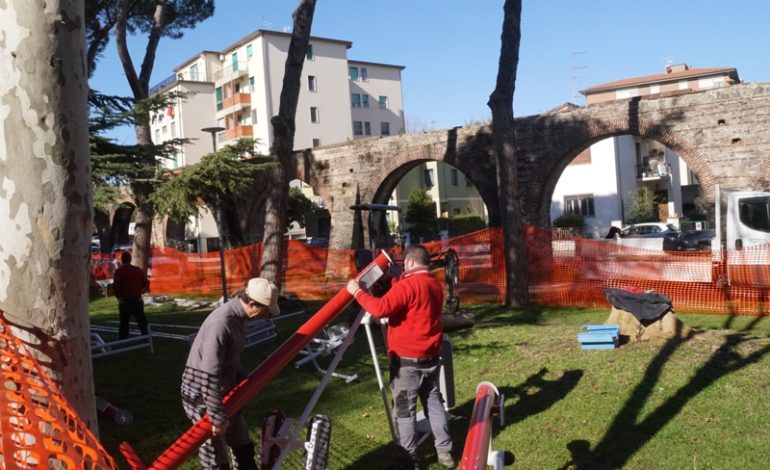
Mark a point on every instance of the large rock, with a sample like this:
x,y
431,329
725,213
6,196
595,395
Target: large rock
x,y
666,326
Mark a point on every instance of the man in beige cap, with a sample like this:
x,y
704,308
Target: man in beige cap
x,y
214,367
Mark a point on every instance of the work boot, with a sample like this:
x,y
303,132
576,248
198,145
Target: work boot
x,y
445,459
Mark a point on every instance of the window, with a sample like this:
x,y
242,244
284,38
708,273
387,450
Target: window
x,y
454,176
368,128
249,51
384,128
358,128
309,55
253,116
173,130
157,136
194,72
235,62
220,134
683,85
428,177
165,130
355,100
383,102
312,85
754,213
316,142
364,74
366,101
353,73
219,98
582,204
251,84
314,114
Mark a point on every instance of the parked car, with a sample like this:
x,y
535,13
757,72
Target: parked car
x,y
648,230
689,240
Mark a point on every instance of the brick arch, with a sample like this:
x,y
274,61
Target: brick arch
x,y
565,150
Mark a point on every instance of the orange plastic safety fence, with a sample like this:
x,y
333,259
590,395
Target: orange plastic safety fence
x,y
563,272
38,428
574,273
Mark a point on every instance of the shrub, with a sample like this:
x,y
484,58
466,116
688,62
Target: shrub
x,y
570,220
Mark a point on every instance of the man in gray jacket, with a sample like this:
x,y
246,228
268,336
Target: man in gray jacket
x,y
214,367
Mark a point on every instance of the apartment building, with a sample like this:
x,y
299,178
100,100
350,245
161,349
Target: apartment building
x,y
239,87
598,181
238,90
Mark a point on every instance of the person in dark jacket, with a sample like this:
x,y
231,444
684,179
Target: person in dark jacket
x,y
413,306
213,368
128,284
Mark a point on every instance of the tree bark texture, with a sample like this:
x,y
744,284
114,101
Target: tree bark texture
x,y
45,189
503,132
283,144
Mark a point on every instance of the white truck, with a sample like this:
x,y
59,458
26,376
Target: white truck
x,y
741,219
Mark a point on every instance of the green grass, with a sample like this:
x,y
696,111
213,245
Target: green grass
x,y
698,403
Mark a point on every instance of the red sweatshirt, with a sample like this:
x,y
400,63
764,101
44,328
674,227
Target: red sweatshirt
x,y
413,307
129,282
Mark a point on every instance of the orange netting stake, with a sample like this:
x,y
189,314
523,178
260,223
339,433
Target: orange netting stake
x,y
38,428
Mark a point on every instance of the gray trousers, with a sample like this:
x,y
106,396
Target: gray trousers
x,y
409,382
214,452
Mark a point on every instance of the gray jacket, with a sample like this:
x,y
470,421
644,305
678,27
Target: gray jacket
x,y
214,364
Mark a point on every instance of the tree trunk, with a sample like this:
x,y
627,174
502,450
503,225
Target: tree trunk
x,y
283,144
140,85
45,200
503,132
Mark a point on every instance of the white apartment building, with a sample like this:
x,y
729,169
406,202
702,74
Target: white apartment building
x,y
597,182
238,89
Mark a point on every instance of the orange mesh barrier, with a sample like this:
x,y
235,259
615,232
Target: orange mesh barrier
x,y
563,272
38,428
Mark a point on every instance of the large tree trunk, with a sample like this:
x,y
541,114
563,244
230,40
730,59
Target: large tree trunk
x,y
45,195
503,132
283,144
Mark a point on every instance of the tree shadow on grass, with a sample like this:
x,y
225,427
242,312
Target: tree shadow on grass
x,y
535,395
627,434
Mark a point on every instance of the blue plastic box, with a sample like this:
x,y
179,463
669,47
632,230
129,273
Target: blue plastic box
x,y
599,336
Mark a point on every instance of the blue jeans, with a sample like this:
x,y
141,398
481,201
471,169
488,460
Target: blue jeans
x,y
409,382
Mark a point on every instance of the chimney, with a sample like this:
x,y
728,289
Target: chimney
x,y
677,68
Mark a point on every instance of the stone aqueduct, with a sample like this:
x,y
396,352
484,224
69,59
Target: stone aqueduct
x,y
722,134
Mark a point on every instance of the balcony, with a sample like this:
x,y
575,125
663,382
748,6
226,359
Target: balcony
x,y
228,73
235,103
653,170
238,132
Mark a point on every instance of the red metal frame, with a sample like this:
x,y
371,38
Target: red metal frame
x,y
479,437
189,442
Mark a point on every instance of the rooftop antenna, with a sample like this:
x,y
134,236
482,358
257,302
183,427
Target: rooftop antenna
x,y
575,69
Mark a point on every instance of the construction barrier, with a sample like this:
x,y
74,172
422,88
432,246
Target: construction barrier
x,y
38,427
562,272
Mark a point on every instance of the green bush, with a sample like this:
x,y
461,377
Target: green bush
x,y
461,224
570,220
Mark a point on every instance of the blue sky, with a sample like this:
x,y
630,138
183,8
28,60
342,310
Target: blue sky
x,y
450,48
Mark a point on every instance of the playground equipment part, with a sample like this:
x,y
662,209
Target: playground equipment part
x,y
101,348
478,453
326,343
237,398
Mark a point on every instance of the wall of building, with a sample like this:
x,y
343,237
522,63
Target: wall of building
x,y
381,80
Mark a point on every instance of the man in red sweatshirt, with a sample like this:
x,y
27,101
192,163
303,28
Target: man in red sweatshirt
x,y
128,284
413,306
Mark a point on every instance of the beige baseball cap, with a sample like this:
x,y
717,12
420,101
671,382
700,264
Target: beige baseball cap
x,y
264,292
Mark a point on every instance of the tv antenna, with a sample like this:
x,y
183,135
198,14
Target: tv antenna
x,y
575,69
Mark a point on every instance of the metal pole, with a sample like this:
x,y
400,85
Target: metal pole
x,y
213,131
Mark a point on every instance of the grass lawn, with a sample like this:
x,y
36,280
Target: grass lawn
x,y
697,403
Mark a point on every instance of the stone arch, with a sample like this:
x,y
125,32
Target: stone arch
x,y
561,154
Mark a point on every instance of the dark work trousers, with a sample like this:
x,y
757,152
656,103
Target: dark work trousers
x,y
409,381
131,308
214,452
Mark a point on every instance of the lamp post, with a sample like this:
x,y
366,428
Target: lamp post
x,y
213,131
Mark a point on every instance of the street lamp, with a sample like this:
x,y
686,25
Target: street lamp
x,y
213,131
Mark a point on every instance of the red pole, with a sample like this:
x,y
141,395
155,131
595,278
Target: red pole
x,y
184,447
477,441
